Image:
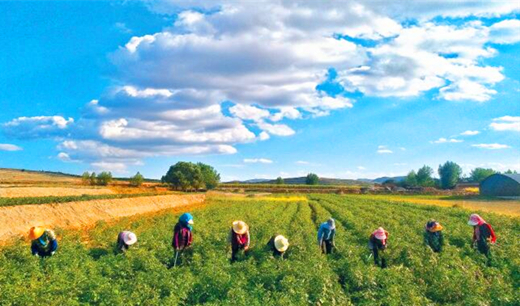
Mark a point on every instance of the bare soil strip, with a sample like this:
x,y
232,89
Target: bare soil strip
x,y
16,220
19,192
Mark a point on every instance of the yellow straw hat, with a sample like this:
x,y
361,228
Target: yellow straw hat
x,y
281,243
36,232
240,227
436,228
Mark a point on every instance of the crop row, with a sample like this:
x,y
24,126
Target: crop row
x,y
86,270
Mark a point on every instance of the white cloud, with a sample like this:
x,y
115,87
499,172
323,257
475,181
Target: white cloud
x,y
121,27
301,162
384,151
258,160
37,127
444,140
361,168
276,129
248,112
9,147
505,31
469,133
400,164
264,136
506,123
491,146
64,157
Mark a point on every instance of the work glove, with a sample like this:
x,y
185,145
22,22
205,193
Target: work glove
x,y
246,248
36,255
52,253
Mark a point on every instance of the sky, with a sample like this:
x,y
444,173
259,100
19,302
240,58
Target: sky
x,y
259,89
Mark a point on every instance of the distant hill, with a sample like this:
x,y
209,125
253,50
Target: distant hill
x,y
381,180
301,181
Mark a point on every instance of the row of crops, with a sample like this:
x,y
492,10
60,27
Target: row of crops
x,y
87,271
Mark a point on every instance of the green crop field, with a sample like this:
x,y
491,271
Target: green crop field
x,y
86,271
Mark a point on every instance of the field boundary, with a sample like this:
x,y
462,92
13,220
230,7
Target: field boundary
x,y
16,220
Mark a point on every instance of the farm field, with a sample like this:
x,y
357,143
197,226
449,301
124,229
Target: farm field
x,y
86,270
509,207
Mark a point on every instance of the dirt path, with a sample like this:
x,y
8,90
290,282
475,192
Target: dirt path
x,y
17,192
16,220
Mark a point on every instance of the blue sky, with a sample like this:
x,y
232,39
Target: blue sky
x,y
261,89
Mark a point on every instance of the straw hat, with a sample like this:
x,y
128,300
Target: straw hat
x,y
129,238
36,232
281,243
380,233
436,227
240,227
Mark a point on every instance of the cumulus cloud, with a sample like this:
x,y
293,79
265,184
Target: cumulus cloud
x,y
506,123
9,147
267,58
469,133
491,146
258,160
37,127
445,140
384,150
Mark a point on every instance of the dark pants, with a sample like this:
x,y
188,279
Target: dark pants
x,y
379,258
326,246
234,251
483,247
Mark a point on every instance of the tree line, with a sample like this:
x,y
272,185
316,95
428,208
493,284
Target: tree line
x,y
450,174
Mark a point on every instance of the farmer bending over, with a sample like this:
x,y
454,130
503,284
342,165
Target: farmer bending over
x,y
124,240
482,234
182,235
44,242
377,243
278,245
326,234
239,239
433,236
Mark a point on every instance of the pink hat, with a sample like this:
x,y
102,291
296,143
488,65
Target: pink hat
x,y
380,233
129,238
475,219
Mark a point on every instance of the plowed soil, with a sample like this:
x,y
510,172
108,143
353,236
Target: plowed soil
x,y
16,220
18,192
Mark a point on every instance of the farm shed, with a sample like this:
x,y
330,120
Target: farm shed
x,y
504,185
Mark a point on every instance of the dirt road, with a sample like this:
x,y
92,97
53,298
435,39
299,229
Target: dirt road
x,y
16,220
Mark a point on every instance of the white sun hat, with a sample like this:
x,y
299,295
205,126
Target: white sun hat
x,y
240,227
129,238
281,243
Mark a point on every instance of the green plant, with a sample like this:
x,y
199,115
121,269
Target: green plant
x,y
137,180
450,174
104,178
312,179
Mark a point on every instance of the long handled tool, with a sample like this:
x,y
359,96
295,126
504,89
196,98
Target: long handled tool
x,y
176,257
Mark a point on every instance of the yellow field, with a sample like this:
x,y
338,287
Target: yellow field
x,y
19,192
505,207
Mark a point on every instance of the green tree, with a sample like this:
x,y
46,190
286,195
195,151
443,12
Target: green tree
x,y
477,175
411,179
184,176
450,174
280,181
425,177
104,178
85,178
210,176
93,179
312,179
137,180
509,171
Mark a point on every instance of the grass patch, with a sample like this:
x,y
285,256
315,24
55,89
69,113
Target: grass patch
x,y
66,199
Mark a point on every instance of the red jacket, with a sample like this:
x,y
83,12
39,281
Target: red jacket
x,y
182,237
239,240
484,231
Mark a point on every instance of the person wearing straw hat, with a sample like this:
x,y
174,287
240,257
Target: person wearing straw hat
x,y
433,236
378,243
483,233
326,235
124,240
182,235
278,244
239,238
44,243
